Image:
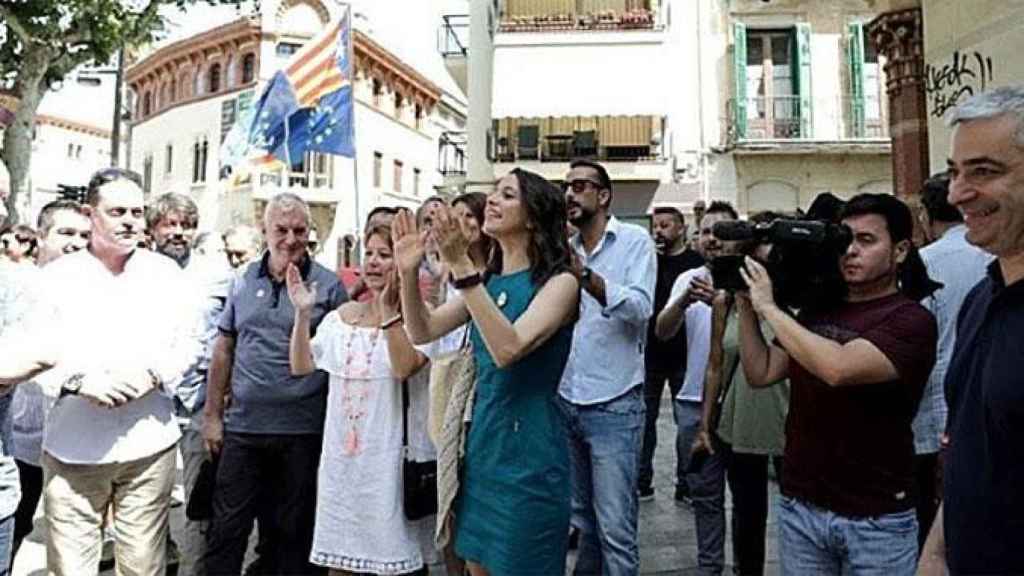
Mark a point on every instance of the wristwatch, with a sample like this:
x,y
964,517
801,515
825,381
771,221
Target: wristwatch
x,y
72,385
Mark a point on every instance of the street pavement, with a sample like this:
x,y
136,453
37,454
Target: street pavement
x,y
668,535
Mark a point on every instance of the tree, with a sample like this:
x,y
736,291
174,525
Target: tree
x,y
45,41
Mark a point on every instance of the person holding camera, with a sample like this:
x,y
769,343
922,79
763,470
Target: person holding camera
x,y
857,371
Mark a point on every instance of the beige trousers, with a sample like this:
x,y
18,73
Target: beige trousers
x,y
76,498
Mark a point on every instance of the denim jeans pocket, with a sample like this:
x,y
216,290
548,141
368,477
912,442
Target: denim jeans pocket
x,y
630,403
897,523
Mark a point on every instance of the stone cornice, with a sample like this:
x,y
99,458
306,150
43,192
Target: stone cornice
x,y
162,61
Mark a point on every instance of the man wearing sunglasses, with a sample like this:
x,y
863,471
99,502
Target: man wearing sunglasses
x,y
601,392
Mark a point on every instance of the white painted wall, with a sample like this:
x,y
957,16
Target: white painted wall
x,y
53,164
580,74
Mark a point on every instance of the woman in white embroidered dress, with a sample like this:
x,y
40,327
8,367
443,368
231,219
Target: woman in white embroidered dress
x,y
360,524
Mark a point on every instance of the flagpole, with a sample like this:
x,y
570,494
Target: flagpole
x,y
355,156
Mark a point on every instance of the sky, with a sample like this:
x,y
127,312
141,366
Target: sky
x,y
407,28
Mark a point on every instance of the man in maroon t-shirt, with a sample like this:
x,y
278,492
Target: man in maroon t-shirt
x,y
857,373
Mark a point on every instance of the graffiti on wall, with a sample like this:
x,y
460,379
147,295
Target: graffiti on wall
x,y
965,74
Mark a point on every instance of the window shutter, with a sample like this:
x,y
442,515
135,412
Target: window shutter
x,y
802,76
856,55
739,64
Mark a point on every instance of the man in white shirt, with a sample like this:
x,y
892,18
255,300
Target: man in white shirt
x,y
688,307
112,323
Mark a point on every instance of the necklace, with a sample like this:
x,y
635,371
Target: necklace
x,y
356,388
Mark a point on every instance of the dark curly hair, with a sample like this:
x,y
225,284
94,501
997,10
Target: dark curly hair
x,y
548,249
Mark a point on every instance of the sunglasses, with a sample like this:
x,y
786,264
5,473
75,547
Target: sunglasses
x,y
579,185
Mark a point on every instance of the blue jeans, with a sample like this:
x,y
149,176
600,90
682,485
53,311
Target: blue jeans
x,y
604,440
707,488
814,541
6,542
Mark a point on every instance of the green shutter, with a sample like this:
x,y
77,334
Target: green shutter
x,y
739,64
856,55
802,76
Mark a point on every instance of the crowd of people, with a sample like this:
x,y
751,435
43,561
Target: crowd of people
x,y
483,391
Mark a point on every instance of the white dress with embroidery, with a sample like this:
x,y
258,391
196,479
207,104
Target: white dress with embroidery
x,y
360,523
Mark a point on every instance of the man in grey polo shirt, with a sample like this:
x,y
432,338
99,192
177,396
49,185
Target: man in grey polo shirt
x,y
270,433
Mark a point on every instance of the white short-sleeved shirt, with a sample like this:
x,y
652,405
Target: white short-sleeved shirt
x,y
698,336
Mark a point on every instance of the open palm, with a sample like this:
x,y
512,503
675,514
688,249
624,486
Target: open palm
x,y
302,296
409,247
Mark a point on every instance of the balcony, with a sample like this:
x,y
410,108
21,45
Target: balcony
x,y
576,15
786,124
451,158
453,44
547,145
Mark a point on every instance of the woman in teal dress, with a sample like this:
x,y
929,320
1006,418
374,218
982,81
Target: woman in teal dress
x,y
512,515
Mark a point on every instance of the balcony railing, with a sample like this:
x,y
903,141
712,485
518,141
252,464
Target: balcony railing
x,y
570,15
787,118
451,154
453,36
611,138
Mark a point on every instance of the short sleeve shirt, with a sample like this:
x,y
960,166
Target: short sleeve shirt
x,y
698,336
850,449
265,397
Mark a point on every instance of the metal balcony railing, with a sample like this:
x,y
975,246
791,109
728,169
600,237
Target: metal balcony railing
x,y
453,35
569,15
560,139
451,154
842,118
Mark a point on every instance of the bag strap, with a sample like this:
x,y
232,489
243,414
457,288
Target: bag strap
x,y
405,416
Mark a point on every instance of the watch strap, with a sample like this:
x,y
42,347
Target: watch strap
x,y
467,281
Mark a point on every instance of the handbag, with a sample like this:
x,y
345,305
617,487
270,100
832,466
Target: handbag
x,y
444,371
419,479
461,387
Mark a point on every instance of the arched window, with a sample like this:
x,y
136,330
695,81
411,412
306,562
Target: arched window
x,y
147,104
248,68
398,105
174,89
214,75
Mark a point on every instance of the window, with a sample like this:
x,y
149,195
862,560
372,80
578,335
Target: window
x,y
398,105
416,181
286,49
174,89
419,115
867,87
248,68
214,78
377,91
772,82
398,176
378,161
147,104
71,151
147,173
200,154
169,159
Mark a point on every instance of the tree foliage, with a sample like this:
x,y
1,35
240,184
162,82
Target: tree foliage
x,y
44,40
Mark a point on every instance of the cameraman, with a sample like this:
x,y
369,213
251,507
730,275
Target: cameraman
x,y
857,371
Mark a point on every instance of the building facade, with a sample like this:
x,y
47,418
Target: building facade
x,y
188,95
764,104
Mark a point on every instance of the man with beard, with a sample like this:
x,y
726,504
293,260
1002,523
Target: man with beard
x,y
601,390
665,360
172,220
119,359
270,433
689,307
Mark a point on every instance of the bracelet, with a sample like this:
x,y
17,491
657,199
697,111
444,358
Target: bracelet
x,y
396,320
468,281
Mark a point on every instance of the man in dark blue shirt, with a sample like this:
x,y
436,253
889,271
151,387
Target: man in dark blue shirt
x,y
981,527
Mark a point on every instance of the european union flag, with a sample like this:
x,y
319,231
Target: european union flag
x,y
326,127
276,105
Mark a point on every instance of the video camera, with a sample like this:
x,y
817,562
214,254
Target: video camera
x,y
803,262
